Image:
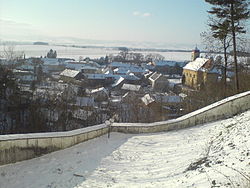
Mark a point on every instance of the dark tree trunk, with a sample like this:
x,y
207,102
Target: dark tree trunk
x,y
225,69
234,49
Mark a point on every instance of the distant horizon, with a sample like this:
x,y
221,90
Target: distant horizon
x,y
160,23
105,44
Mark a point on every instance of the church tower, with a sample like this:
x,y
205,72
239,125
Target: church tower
x,y
195,54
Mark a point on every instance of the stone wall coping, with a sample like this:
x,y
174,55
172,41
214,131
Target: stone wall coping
x,y
52,134
184,117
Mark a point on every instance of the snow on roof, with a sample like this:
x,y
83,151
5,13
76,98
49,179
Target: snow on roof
x,y
169,63
126,66
95,64
92,91
155,76
183,95
131,87
71,61
98,76
50,61
87,67
118,81
104,76
26,67
172,82
122,70
70,73
137,69
148,74
147,99
119,64
22,71
197,64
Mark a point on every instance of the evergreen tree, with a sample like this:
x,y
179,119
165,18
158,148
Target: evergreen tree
x,y
231,15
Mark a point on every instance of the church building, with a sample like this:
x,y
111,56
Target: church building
x,y
198,73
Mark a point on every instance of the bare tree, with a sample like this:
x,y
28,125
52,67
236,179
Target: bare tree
x,y
218,41
10,54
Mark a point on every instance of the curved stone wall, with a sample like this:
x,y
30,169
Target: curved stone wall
x,y
220,110
18,147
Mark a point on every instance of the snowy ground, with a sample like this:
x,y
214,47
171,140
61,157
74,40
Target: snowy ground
x,y
211,155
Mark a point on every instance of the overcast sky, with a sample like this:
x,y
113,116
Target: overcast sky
x,y
166,21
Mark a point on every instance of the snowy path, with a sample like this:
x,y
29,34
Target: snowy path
x,y
149,160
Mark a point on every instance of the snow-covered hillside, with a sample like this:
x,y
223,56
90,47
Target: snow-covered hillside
x,y
212,155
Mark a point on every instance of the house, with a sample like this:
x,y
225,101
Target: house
x,y
164,63
131,87
129,97
51,65
199,73
75,65
115,65
109,79
175,84
89,70
151,108
96,80
81,66
26,67
170,103
148,100
167,67
130,69
121,71
25,76
131,78
158,81
99,94
118,82
70,75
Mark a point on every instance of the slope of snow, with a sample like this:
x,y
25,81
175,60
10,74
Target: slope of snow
x,y
210,155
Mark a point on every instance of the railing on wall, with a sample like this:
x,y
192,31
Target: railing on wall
x,y
18,147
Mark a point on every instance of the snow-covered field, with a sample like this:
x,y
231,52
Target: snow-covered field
x,y
75,53
212,155
62,52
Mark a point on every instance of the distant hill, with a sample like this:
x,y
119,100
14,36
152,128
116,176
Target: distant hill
x,y
40,43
